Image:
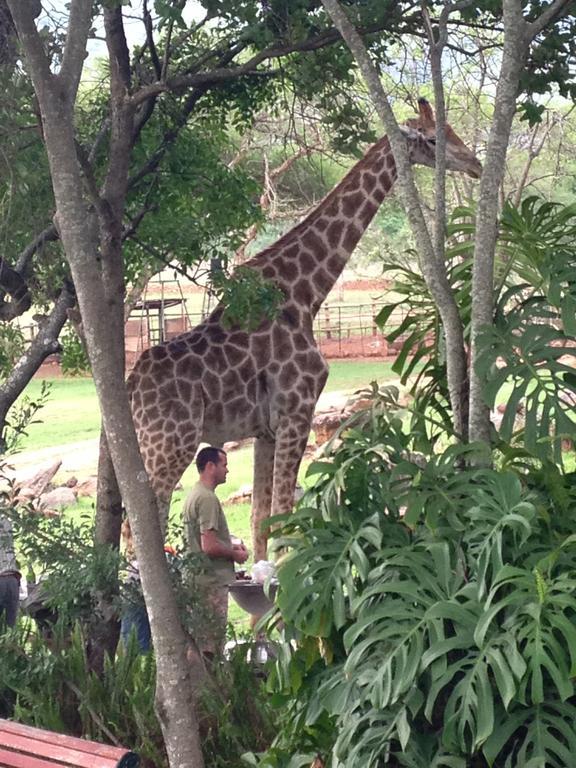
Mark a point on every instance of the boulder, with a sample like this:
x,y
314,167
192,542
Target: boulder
x,y
87,487
34,485
242,496
58,499
325,424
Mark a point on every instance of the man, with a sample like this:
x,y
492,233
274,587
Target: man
x,y
206,531
9,575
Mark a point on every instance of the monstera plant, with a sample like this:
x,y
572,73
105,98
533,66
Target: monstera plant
x,y
528,352
434,623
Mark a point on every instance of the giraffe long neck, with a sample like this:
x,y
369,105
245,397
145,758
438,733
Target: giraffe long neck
x,y
308,259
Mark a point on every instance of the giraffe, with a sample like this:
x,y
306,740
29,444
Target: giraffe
x,y
216,383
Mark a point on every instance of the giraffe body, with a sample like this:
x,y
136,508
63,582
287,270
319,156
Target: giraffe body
x,y
215,384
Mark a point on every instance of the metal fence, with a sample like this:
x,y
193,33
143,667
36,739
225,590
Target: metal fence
x,y
339,329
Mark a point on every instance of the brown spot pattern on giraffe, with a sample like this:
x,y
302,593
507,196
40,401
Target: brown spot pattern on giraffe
x,y
231,383
234,355
352,203
322,280
190,368
211,383
314,244
288,375
351,237
292,252
214,360
177,349
302,292
286,269
199,347
335,233
240,339
307,263
247,370
369,182
261,348
281,344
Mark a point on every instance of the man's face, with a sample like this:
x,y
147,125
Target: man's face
x,y
221,469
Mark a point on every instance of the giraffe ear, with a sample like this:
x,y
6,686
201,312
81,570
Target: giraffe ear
x,y
426,113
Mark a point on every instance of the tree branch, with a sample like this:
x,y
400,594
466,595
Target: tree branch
x,y
44,344
13,284
552,13
217,76
75,48
23,14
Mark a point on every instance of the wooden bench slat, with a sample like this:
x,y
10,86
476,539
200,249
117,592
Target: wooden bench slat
x,y
63,755
16,760
83,745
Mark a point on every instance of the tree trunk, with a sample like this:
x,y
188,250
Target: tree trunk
x,y
177,681
515,49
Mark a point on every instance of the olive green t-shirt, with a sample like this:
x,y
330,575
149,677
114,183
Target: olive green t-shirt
x,y
203,512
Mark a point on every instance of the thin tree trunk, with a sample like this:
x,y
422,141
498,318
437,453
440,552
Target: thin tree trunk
x,y
433,269
515,49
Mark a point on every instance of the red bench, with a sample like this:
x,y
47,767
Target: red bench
x,y
24,747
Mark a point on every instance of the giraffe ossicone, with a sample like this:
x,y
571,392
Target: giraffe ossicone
x,y
215,384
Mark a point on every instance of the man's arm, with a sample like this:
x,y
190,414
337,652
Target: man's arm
x,y
213,548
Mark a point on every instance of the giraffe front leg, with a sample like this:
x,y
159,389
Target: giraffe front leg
x,y
261,493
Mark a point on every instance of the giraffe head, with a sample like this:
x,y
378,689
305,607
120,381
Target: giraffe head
x,y
422,130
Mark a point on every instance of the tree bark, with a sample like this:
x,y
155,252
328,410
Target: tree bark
x,y
177,681
105,633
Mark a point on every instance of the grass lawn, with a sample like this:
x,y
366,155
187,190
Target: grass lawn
x,y
72,413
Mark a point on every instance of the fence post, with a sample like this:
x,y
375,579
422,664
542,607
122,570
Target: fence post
x,y
327,321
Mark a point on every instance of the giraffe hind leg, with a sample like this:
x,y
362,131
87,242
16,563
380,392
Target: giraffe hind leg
x,y
261,493
291,440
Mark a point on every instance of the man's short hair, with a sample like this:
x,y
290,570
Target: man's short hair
x,y
208,454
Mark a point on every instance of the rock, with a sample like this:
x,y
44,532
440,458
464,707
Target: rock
x,y
87,487
58,499
234,445
242,496
325,424
25,494
39,481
